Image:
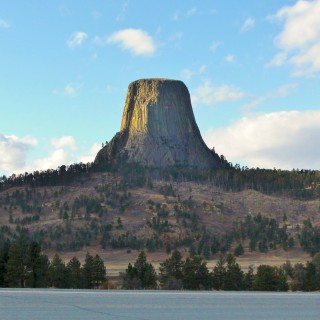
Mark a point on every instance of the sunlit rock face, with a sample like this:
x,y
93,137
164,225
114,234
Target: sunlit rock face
x,y
158,128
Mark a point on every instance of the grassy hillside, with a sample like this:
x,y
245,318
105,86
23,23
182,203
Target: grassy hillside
x,y
116,214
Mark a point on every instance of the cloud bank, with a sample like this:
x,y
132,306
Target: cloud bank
x,y
284,140
299,39
15,154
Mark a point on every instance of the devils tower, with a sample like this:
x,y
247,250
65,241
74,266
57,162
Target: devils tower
x,y
158,128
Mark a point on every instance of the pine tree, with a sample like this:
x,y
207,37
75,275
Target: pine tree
x,y
145,272
249,279
37,267
4,256
171,272
58,273
16,266
239,251
196,275
234,277
219,274
270,278
74,270
141,275
87,272
99,272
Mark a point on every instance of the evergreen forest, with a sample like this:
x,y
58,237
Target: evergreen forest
x,y
22,264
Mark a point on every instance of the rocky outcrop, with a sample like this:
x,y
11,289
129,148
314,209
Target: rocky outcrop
x,y
158,128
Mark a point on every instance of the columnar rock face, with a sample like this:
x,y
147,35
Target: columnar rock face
x,y
158,128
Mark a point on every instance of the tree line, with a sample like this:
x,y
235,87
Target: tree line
x,y
192,273
300,184
22,264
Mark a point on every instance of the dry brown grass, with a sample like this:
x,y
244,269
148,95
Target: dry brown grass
x,y
217,211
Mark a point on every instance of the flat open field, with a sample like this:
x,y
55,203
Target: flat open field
x,y
117,260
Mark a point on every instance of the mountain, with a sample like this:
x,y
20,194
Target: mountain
x,y
158,128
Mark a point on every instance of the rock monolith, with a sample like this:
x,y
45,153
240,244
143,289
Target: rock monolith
x,y
158,128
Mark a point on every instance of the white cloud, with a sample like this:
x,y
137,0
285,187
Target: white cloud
x,y
301,24
174,39
15,154
69,90
55,159
4,24
283,91
191,12
253,103
122,14
14,151
280,92
64,141
284,140
248,24
175,16
208,95
299,39
202,69
60,154
229,58
100,41
186,74
135,40
214,46
278,60
76,39
89,157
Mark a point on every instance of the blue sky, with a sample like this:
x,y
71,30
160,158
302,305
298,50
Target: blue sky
x,y
252,69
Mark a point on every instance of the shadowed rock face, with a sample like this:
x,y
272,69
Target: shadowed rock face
x,y
158,128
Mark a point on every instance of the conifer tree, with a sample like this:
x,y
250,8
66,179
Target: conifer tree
x,y
234,277
37,267
99,272
141,275
58,273
196,275
219,274
16,266
171,272
4,256
74,271
87,272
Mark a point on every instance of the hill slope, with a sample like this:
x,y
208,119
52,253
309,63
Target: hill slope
x,y
104,214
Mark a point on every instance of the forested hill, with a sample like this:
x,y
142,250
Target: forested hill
x,y
130,207
299,184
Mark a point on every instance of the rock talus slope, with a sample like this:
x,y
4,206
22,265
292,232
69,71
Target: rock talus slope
x,y
158,128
